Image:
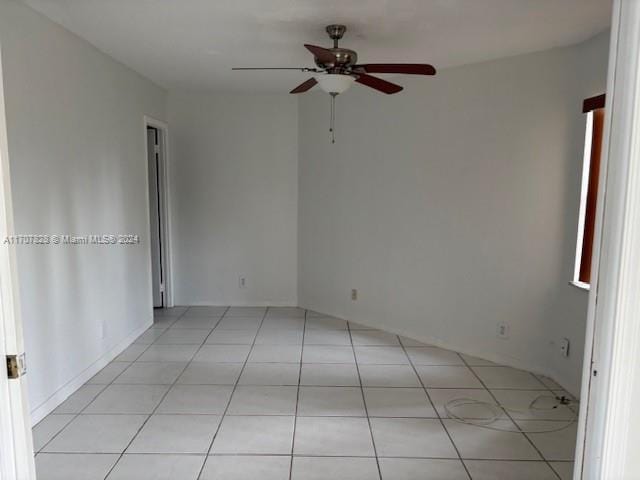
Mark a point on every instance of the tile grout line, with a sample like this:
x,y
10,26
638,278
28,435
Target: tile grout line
x,y
364,402
415,370
319,385
545,388
286,455
233,390
295,417
104,386
495,399
75,415
154,409
553,392
284,414
204,342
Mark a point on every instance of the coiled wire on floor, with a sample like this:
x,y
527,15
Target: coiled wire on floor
x,y
496,412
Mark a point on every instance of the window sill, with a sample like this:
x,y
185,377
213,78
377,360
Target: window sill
x,y
580,285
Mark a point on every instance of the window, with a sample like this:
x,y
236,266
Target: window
x,y
594,109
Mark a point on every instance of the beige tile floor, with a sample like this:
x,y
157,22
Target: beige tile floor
x,y
246,393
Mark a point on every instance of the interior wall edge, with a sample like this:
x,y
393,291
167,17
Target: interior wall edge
x,y
501,360
60,395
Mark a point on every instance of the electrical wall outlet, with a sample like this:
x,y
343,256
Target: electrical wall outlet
x,y
564,347
354,294
242,282
503,330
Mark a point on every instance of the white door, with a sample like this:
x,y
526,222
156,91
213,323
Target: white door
x,y
155,215
609,427
16,444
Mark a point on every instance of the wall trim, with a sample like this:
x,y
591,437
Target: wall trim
x,y
60,395
502,360
239,304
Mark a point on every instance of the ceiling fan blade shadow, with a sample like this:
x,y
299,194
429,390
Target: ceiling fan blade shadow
x,y
378,84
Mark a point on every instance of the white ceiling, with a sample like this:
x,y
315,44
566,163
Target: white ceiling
x,y
192,44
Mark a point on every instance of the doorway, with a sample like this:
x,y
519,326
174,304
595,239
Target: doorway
x,y
156,136
16,442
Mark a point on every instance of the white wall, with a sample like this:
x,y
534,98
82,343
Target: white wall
x,y
234,198
453,206
76,148
569,319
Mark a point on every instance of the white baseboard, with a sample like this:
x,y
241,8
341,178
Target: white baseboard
x,y
238,304
45,408
490,356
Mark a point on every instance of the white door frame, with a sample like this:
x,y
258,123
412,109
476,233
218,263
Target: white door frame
x,y
16,444
165,203
609,424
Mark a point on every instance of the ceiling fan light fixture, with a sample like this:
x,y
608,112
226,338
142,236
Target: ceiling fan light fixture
x,y
334,83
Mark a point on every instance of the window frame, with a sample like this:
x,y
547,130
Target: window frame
x,y
594,109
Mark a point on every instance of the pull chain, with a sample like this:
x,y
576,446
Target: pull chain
x,y
332,123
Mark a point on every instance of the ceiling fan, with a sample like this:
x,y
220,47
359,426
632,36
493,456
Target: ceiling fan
x,y
337,69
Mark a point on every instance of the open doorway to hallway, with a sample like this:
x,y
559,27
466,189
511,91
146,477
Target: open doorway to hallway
x,y
156,165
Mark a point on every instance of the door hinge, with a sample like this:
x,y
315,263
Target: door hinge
x,y
156,149
162,288
16,366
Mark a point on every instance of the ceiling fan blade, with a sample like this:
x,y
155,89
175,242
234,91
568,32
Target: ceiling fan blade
x,y
299,69
303,87
405,68
377,83
322,54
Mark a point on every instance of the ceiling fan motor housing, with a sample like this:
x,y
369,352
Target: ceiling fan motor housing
x,y
344,60
344,57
